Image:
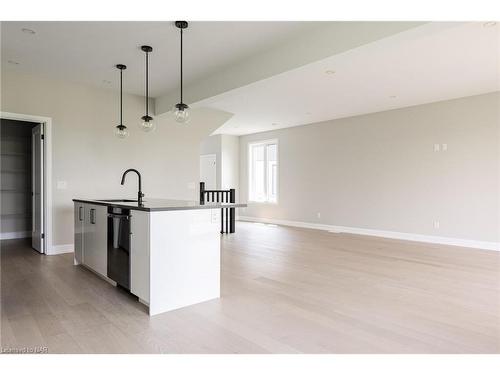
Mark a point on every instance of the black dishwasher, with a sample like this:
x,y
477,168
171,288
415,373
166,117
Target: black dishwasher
x,y
119,246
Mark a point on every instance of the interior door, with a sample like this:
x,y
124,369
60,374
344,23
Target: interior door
x,y
208,171
37,235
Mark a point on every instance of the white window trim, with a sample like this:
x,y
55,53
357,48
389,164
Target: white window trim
x,y
250,170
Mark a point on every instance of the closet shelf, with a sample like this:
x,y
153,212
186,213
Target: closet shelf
x,y
18,215
14,153
13,137
14,171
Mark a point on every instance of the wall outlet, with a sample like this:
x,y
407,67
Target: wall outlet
x,y
437,147
436,224
62,185
444,147
319,215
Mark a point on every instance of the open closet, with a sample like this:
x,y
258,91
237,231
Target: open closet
x,y
21,184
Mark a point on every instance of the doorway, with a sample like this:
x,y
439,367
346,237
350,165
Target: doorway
x,y
208,171
22,181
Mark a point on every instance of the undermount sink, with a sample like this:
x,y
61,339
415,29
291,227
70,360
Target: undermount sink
x,y
117,200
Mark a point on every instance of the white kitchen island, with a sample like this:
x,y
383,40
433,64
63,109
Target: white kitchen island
x,y
172,246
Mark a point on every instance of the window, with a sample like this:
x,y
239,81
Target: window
x,y
263,171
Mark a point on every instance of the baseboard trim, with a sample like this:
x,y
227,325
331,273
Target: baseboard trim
x,y
15,235
61,249
485,245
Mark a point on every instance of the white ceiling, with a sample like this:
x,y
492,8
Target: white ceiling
x,y
86,52
433,62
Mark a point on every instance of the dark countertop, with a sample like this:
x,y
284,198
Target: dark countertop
x,y
156,204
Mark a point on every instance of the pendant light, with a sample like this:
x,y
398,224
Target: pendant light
x,y
121,130
147,124
181,110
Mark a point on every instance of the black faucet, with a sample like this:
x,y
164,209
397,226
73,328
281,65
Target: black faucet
x,y
139,194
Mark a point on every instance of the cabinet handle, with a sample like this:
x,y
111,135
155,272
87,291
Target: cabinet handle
x,y
80,216
92,216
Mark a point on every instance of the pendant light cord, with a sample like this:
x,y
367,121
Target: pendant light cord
x,y
121,97
181,68
147,85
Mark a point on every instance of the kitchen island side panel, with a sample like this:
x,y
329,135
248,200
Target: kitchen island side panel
x,y
140,255
184,258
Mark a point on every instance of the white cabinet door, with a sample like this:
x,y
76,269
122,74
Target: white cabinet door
x,y
79,224
139,255
95,238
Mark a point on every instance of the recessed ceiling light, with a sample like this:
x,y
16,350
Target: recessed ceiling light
x,y
308,113
330,72
13,62
28,31
489,24
393,96
274,124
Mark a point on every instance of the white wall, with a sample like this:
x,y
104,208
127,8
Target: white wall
x,y
230,146
91,159
380,171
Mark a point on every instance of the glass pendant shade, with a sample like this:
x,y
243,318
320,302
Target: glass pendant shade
x,y
181,113
147,124
181,110
121,131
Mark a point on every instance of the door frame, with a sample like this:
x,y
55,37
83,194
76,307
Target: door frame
x,y
216,169
47,171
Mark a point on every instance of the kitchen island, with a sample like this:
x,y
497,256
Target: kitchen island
x,y
165,252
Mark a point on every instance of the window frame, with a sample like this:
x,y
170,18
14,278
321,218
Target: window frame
x,y
265,142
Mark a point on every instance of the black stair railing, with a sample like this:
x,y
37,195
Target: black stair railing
x,y
228,215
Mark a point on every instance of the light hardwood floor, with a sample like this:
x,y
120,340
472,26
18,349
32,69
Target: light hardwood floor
x,y
284,290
